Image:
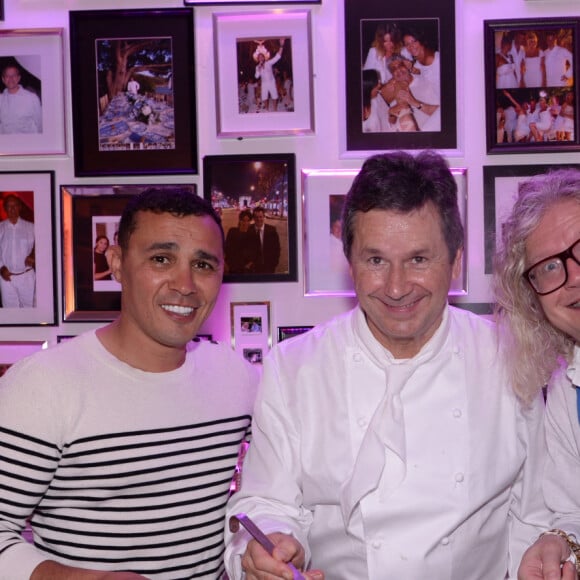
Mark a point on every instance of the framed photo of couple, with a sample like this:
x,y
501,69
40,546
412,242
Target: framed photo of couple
x,y
531,69
400,82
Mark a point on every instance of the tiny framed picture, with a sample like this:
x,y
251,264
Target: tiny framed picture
x,y
531,82
251,333
133,75
400,76
90,217
255,195
285,332
501,184
263,73
31,75
326,269
12,352
28,272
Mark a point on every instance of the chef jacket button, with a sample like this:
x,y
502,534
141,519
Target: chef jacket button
x,y
362,422
459,477
457,413
357,357
376,544
445,541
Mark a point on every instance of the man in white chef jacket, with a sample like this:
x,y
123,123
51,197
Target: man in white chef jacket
x,y
387,442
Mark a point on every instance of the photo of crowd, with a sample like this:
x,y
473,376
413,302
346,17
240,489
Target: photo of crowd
x,y
534,82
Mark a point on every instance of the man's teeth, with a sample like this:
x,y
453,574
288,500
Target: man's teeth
x,y
183,310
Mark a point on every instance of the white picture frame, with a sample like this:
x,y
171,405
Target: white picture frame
x,y
251,332
325,266
235,36
39,52
12,352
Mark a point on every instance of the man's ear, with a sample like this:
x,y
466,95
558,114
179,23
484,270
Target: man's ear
x,y
116,261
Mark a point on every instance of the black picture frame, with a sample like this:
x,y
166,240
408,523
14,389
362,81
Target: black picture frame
x,y
1,9
427,18
88,210
512,107
286,332
36,192
268,180
152,130
500,183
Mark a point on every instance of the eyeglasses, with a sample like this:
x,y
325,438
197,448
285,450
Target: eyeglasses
x,y
551,273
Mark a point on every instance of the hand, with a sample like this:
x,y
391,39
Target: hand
x,y
542,560
5,273
256,561
29,261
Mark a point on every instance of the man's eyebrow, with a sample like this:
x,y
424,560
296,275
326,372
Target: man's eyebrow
x,y
203,255
171,246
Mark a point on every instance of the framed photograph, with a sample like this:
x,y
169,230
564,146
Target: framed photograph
x,y
500,188
12,352
400,75
89,217
263,71
27,276
31,71
326,270
285,332
256,198
251,332
531,85
134,91
65,337
241,2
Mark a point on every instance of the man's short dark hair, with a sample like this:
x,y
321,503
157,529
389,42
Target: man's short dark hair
x,y
177,201
402,182
10,196
259,208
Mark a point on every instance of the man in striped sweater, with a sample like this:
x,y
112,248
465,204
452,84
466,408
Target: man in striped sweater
x,y
119,446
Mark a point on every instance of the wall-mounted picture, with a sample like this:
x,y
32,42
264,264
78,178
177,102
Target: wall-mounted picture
x,y
27,251
500,189
531,79
12,352
400,75
134,97
31,92
285,332
255,196
90,217
263,73
326,269
251,333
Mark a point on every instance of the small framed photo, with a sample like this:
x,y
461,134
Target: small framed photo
x,y
500,189
31,71
400,76
256,198
133,75
263,73
326,269
251,332
90,216
12,352
28,274
531,82
285,332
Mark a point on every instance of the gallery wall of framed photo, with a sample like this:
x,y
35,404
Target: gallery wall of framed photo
x,y
192,114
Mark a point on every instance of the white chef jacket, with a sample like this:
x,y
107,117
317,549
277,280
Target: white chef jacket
x,y
464,502
562,473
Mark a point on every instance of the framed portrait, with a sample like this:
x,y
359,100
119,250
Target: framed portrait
x,y
133,91
531,83
240,2
263,71
285,332
326,269
90,216
31,70
400,78
12,352
255,196
500,189
27,276
251,332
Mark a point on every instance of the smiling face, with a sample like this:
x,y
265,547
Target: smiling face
x,y
11,78
402,273
558,229
170,273
388,44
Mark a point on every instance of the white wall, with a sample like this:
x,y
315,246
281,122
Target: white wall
x,y
321,150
